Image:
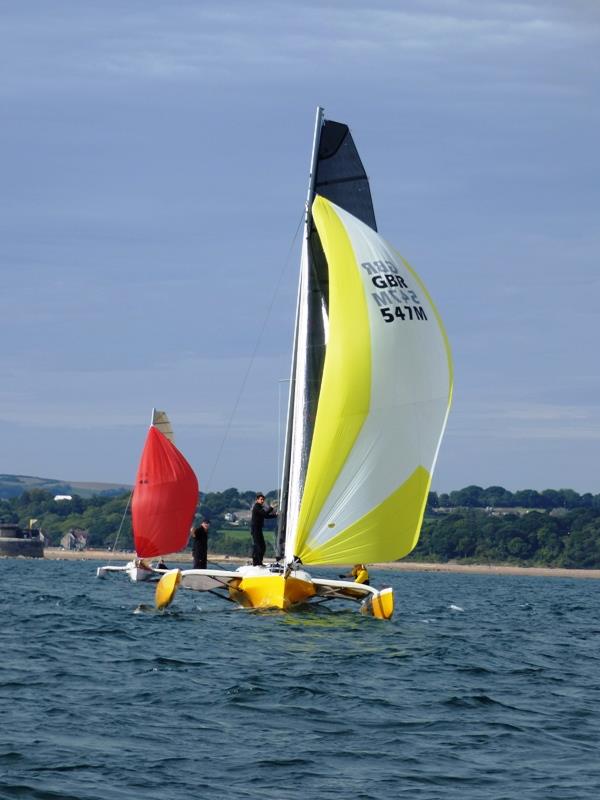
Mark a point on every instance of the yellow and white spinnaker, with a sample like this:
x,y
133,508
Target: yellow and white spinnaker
x,y
384,400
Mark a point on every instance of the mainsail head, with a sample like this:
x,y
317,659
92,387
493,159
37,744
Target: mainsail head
x,y
340,175
164,498
161,421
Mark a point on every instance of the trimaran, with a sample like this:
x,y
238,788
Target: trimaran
x,y
163,502
370,391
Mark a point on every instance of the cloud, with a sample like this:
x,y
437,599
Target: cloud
x,y
209,41
197,41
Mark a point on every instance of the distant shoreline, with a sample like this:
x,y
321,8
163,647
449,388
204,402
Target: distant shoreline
x,y
56,553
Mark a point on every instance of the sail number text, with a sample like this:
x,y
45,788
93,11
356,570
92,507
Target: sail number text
x,y
402,312
395,299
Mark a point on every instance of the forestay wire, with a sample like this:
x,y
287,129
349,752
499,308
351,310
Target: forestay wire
x,y
114,547
254,352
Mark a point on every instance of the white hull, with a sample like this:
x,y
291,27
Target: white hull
x,y
136,573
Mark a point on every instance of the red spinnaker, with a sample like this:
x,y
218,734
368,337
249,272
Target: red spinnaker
x,y
164,498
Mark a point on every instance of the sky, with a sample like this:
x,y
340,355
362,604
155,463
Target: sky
x,y
155,161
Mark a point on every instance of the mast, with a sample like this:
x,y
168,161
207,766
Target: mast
x,y
319,119
302,289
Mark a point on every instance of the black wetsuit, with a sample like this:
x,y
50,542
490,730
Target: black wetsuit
x,y
200,547
259,515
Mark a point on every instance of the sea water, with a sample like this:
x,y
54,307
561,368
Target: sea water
x,y
480,687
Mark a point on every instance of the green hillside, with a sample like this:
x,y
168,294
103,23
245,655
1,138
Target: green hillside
x,y
15,485
555,528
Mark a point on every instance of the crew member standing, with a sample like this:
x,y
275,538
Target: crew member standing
x,y
259,515
200,544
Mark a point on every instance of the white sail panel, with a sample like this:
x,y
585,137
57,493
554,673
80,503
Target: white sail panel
x,y
380,419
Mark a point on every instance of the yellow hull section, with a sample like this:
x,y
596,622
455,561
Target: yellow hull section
x,y
271,591
166,588
281,593
379,605
383,604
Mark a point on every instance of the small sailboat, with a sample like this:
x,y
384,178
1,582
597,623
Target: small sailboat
x,y
163,502
370,392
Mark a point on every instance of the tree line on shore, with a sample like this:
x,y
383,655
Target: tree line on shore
x,y
549,528
498,497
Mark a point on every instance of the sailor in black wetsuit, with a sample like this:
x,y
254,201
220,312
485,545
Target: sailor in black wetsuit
x,y
200,544
259,515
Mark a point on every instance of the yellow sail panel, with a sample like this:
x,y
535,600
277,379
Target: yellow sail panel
x,y
368,486
345,387
387,532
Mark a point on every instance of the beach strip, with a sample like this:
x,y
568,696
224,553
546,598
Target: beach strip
x,y
401,566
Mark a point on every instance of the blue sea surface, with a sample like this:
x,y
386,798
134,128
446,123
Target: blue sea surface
x,y
480,687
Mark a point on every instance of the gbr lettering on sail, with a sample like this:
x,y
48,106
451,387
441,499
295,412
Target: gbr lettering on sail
x,y
394,297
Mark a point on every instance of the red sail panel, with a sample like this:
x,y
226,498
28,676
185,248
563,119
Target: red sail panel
x,y
164,498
